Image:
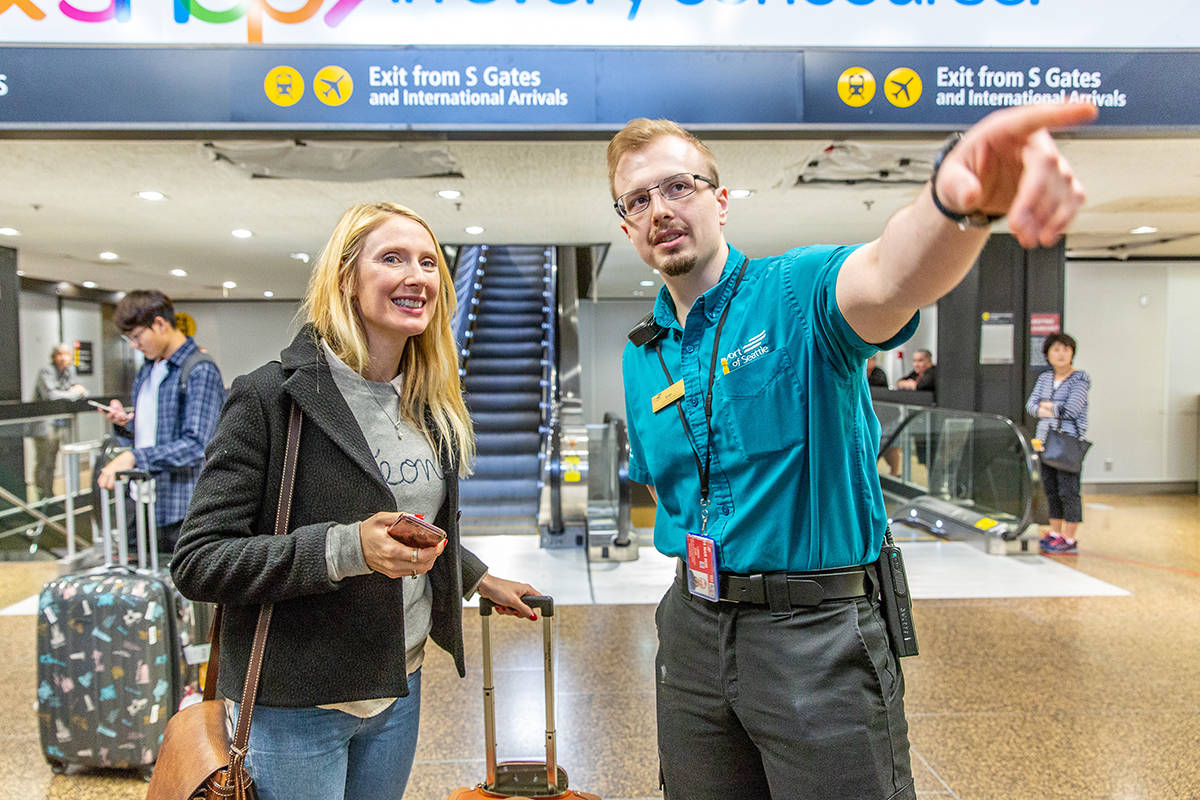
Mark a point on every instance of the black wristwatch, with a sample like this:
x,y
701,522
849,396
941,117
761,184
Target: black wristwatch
x,y
974,219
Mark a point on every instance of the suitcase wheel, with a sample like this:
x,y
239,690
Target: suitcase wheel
x,y
57,767
145,772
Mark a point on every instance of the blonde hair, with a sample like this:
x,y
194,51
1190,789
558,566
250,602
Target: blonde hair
x,y
640,132
432,391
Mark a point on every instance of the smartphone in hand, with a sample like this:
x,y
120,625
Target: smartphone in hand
x,y
415,532
101,406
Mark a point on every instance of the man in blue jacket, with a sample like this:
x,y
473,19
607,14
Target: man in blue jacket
x,y
751,421
177,399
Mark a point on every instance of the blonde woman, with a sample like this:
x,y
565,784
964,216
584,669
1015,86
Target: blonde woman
x,y
375,374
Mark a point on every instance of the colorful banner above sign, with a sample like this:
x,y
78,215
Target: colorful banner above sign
x,y
960,24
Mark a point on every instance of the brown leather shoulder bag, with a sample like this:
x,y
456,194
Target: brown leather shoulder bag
x,y
197,760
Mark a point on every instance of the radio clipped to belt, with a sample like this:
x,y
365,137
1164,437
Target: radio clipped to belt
x,y
895,600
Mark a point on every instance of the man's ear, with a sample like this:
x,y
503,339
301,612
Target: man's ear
x,y
722,195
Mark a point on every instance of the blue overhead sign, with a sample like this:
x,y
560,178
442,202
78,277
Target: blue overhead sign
x,y
427,88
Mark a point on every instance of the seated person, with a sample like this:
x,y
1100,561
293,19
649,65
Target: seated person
x,y
875,374
923,377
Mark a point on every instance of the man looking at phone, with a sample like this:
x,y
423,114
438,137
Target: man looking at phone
x,y
177,399
749,416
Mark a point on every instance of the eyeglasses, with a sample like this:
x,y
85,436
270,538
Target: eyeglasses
x,y
134,335
675,187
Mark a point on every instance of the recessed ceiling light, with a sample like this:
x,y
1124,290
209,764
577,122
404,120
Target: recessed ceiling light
x,y
474,230
63,286
109,255
656,272
229,285
1145,229
638,293
449,194
152,195
20,273
268,293
241,233
88,284
179,272
9,232
740,194
647,283
300,256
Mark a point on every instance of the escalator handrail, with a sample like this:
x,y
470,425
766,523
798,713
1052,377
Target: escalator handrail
x,y
1029,473
624,484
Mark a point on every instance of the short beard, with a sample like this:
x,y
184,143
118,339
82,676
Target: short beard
x,y
678,265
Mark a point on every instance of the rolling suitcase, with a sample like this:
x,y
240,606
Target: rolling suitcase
x,y
520,780
111,665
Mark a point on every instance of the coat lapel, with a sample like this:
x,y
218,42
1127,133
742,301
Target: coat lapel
x,y
311,385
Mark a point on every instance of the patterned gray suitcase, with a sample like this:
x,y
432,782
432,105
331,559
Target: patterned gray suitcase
x,y
111,655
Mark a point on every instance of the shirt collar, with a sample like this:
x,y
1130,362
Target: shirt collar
x,y
712,300
182,352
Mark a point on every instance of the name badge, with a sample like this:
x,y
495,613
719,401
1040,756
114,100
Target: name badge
x,y
667,396
702,574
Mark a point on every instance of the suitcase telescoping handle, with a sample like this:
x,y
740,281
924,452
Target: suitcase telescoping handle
x,y
545,604
144,514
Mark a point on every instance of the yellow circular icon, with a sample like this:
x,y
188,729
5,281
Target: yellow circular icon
x,y
332,85
185,323
856,86
284,86
902,87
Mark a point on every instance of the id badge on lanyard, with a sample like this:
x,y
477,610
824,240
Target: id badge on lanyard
x,y
703,575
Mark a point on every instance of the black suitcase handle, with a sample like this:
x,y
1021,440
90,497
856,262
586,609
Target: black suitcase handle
x,y
542,602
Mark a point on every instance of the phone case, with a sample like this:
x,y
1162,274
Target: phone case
x,y
415,532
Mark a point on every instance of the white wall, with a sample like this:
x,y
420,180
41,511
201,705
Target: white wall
x,y
81,320
1137,332
603,329
38,322
242,336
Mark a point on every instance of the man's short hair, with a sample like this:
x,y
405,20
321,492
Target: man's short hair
x,y
1058,338
928,354
640,132
140,308
61,347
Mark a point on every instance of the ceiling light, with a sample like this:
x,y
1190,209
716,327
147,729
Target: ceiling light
x,y
63,286
109,255
740,194
20,273
304,257
450,194
229,285
656,272
647,283
88,284
9,232
241,233
179,272
474,230
1145,229
152,196
638,293
268,293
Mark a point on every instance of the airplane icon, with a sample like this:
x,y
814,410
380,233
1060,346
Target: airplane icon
x,y
902,86
332,88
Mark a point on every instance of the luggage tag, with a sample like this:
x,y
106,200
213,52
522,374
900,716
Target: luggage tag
x,y
702,573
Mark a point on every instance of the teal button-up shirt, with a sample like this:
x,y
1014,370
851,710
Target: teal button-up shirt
x,y
793,482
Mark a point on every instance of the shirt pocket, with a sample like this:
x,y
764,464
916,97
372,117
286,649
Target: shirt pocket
x,y
762,406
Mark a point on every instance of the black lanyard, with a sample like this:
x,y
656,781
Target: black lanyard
x,y
703,469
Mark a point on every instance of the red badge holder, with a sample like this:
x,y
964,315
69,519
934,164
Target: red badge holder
x,y
703,576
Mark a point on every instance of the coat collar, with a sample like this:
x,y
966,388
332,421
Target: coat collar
x,y
307,380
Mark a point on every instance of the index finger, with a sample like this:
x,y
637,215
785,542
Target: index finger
x,y
1026,120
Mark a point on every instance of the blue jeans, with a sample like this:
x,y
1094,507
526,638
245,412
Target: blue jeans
x,y
321,754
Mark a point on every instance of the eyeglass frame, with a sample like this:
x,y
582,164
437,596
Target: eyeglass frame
x,y
134,339
647,189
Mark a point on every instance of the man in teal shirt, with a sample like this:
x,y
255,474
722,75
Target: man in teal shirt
x,y
750,420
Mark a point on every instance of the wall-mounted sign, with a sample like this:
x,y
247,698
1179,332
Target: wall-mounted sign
x,y
996,337
185,323
83,357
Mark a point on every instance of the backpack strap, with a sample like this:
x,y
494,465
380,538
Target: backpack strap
x,y
197,357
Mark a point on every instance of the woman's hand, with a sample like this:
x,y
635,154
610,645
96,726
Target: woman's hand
x,y
1046,409
507,595
385,555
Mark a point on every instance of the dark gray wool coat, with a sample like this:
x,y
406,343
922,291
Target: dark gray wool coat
x,y
328,642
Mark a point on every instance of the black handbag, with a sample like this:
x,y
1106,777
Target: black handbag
x,y
1063,451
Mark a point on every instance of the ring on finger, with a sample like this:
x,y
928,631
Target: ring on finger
x,y
414,556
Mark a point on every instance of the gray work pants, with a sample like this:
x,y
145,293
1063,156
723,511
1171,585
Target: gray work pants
x,y
758,706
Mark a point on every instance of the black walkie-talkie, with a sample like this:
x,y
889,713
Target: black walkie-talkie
x,y
895,601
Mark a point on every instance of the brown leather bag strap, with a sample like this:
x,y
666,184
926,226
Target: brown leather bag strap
x,y
214,656
241,737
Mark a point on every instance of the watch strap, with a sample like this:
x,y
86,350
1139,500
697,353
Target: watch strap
x,y
972,219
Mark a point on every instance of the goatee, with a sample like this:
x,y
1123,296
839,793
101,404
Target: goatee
x,y
679,265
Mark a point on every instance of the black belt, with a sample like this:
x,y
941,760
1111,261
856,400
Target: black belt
x,y
799,588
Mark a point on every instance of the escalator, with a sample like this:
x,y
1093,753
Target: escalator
x,y
961,475
505,363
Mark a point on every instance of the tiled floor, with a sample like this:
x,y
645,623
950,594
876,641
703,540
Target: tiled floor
x,y
1071,677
